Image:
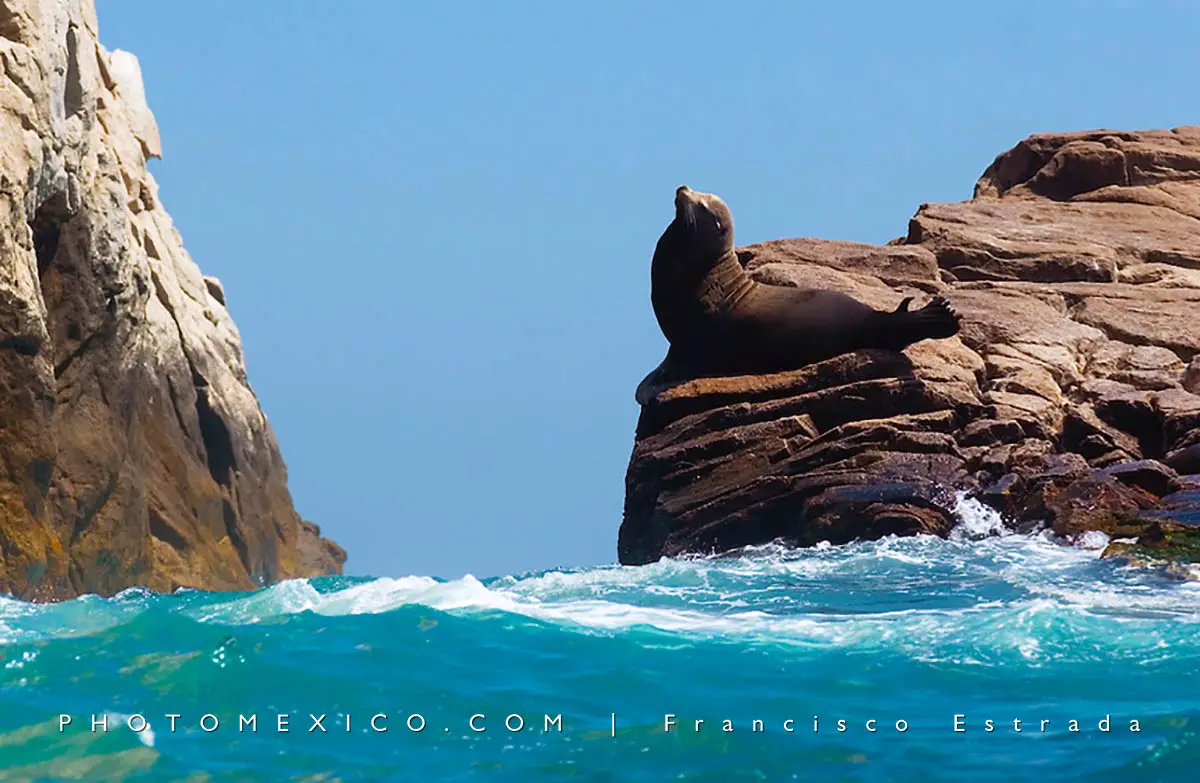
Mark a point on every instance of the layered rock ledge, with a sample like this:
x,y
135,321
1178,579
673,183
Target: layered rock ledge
x,y
1069,399
132,448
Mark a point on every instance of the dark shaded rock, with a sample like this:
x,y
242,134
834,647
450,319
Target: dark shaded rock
x,y
1185,460
1149,475
1102,504
1006,494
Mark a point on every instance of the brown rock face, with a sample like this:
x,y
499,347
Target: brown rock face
x,y
132,449
1068,399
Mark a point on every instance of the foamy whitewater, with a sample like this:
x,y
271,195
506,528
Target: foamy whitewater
x,y
904,636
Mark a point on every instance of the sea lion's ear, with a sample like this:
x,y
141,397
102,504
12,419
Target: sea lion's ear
x,y
903,308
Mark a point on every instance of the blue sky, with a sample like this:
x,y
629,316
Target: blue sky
x,y
434,221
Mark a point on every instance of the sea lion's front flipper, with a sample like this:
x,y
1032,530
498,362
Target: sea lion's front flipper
x,y
903,306
671,371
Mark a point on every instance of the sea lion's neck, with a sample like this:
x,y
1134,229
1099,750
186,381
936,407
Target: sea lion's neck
x,y
726,282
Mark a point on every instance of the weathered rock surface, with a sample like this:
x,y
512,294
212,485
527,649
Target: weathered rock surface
x,y
1069,399
132,449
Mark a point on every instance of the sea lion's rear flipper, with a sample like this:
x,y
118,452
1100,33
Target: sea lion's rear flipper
x,y
935,320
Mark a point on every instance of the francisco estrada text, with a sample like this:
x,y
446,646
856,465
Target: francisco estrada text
x,y
960,724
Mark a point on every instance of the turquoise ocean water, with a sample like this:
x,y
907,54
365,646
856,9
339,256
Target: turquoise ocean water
x,y
996,627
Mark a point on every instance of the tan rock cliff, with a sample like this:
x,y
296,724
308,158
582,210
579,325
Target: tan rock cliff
x,y
132,448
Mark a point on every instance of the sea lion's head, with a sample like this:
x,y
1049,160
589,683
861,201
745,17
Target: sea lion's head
x,y
703,222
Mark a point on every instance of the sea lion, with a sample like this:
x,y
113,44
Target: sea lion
x,y
719,321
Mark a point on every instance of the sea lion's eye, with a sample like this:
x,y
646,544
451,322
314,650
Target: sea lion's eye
x,y
718,222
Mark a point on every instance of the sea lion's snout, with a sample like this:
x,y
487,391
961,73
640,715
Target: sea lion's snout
x,y
685,204
687,201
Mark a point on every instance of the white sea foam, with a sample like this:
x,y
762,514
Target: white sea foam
x,y
1093,539
86,615
976,519
120,721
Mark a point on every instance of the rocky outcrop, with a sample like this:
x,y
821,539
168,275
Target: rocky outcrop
x,y
132,449
1069,399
